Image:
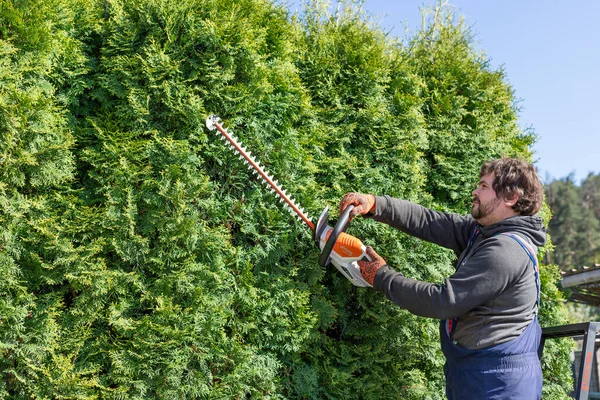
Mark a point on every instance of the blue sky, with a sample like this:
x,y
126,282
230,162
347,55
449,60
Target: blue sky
x,y
550,51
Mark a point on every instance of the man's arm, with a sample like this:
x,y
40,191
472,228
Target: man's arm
x,y
493,268
445,229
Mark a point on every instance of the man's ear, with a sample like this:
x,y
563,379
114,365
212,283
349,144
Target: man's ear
x,y
510,201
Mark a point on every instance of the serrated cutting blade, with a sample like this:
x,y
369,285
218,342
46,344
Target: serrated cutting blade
x,y
213,122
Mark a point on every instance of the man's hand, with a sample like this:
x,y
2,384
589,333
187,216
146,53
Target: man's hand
x,y
368,269
363,203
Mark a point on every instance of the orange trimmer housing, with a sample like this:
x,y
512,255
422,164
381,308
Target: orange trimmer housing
x,y
339,248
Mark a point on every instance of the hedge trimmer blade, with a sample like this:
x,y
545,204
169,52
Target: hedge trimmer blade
x,y
212,123
342,250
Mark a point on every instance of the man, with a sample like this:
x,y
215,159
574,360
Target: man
x,y
488,308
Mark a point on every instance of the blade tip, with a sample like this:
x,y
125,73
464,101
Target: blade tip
x,y
210,122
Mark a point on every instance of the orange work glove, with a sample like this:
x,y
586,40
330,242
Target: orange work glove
x,y
363,204
368,269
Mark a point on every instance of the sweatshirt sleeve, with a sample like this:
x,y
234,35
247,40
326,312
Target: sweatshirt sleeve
x,y
445,229
493,267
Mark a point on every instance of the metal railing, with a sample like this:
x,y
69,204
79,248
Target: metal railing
x,y
588,330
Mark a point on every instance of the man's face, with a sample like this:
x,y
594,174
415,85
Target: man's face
x,y
485,201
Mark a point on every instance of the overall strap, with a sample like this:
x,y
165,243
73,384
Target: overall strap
x,y
532,256
472,237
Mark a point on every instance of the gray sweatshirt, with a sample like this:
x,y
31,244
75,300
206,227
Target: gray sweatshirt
x,y
493,290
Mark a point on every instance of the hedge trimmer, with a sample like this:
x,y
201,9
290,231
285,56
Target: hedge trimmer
x,y
339,248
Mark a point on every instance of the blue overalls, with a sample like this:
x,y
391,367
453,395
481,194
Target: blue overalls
x,y
510,370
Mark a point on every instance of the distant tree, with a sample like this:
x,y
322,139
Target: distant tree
x,y
590,196
574,227
590,193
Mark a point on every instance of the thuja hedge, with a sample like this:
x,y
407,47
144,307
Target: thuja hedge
x,y
140,259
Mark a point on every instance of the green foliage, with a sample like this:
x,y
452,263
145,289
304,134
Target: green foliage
x,y
468,109
558,378
590,194
575,223
139,258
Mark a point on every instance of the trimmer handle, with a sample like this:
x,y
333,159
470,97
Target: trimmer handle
x,y
340,226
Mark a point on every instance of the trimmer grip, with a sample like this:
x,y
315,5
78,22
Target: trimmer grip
x,y
342,250
340,227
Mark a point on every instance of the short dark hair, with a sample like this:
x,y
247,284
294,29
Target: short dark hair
x,y
514,176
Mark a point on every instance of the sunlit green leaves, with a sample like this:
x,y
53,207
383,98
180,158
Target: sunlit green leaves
x,y
140,257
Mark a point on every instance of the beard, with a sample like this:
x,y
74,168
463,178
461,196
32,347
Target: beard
x,y
481,210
